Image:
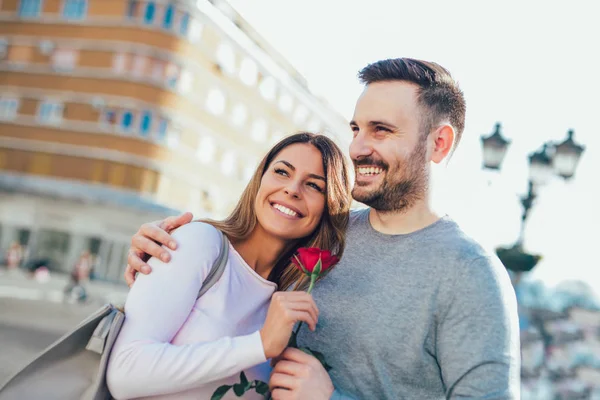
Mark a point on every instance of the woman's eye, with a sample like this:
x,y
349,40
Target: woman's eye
x,y
316,187
281,171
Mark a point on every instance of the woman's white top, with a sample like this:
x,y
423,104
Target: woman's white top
x,y
173,346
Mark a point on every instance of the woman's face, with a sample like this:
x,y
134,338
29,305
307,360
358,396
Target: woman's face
x,y
291,199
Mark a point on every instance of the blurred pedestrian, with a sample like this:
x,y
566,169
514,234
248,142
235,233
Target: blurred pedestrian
x,y
83,267
75,290
14,256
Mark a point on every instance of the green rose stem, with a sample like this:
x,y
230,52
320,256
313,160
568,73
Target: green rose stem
x,y
313,279
314,274
293,339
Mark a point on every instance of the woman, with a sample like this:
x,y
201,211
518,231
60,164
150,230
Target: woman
x,y
174,346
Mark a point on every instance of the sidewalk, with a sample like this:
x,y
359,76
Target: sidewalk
x,y
16,284
28,305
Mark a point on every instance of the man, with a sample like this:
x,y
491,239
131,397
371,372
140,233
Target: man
x,y
415,309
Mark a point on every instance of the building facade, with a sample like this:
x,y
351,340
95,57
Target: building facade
x,y
117,112
560,342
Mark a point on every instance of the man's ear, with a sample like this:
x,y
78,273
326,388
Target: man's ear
x,y
442,141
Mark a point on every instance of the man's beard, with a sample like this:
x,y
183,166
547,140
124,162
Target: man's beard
x,y
400,194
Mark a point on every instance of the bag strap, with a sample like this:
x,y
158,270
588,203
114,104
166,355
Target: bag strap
x,y
218,267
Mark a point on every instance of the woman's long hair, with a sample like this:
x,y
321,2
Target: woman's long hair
x,y
329,234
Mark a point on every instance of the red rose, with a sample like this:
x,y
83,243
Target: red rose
x,y
307,260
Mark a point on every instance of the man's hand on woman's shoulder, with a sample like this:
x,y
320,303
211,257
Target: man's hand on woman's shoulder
x,y
147,242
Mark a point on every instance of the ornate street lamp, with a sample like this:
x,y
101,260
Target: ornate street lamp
x,y
515,258
541,169
494,149
567,155
553,159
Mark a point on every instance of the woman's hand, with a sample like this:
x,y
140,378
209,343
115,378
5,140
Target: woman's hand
x,y
285,310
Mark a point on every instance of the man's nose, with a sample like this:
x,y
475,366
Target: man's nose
x,y
360,147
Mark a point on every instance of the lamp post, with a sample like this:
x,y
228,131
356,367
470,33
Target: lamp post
x,y
494,149
553,159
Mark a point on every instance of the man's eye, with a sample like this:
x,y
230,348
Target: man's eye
x,y
382,128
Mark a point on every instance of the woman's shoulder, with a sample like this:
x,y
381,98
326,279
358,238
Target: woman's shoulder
x,y
198,245
198,233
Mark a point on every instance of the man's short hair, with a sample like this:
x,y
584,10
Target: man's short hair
x,y
439,95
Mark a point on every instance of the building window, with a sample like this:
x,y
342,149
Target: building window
x,y
54,245
3,48
259,130
248,72
249,170
157,72
195,31
206,150
133,9
186,81
228,163
163,128
300,114
226,58
75,9
8,108
184,24
50,112
168,17
215,102
206,202
46,47
150,12
127,121
108,117
64,59
172,72
146,123
285,103
30,8
276,136
314,125
120,63
268,88
173,136
239,114
139,66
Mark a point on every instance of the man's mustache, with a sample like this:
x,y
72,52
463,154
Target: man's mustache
x,y
371,162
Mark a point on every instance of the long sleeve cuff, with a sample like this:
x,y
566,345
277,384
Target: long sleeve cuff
x,y
251,349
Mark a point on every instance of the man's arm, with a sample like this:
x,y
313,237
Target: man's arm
x,y
147,241
478,333
298,375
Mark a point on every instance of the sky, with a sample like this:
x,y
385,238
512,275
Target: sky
x,y
533,66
